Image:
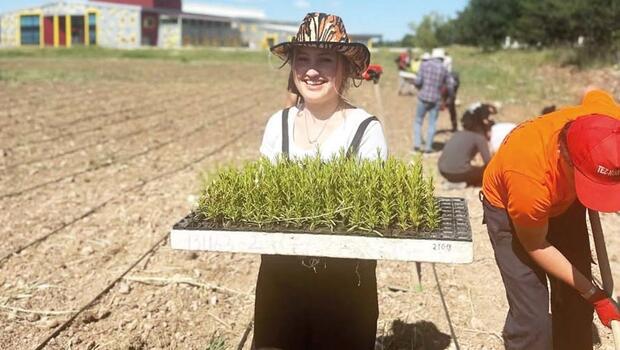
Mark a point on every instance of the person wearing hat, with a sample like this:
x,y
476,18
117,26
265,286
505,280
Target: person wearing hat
x,y
431,78
534,193
317,302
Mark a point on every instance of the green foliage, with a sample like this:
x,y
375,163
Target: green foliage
x,y
385,197
486,23
425,32
217,342
547,23
553,22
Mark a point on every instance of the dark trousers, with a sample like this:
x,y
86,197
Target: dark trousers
x,y
452,110
473,177
528,324
329,304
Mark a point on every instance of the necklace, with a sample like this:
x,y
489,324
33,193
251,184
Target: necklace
x,y
314,140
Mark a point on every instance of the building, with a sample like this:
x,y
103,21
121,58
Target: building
x,y
134,23
72,23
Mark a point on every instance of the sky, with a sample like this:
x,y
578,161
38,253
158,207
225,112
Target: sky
x,y
387,17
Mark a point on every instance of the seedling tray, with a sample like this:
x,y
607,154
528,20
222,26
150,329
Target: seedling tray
x,y
450,243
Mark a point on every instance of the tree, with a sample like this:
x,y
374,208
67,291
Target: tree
x,y
486,23
561,22
425,33
408,40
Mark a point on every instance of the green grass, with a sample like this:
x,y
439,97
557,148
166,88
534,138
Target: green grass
x,y
505,75
22,64
183,55
217,342
391,198
510,76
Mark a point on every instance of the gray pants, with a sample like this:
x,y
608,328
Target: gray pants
x,y
528,323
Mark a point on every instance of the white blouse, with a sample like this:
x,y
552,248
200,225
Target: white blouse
x,y
372,145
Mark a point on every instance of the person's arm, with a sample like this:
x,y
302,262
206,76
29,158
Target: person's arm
x,y
534,241
449,82
553,262
419,80
483,148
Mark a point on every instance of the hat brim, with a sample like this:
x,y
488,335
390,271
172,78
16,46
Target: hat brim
x,y
597,196
357,53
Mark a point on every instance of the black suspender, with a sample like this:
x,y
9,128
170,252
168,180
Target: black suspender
x,y
285,132
355,143
357,139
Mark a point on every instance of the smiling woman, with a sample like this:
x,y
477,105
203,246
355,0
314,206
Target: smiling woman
x,y
311,302
323,65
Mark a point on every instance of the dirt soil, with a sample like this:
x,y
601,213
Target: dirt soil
x,y
96,170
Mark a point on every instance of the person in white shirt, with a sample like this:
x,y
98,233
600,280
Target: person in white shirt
x,y
312,302
499,131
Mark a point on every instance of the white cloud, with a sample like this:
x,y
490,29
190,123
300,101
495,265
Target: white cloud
x,y
302,4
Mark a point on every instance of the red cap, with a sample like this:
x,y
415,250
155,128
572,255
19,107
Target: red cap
x,y
594,147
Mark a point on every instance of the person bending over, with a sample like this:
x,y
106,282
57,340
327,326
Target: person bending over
x,y
455,162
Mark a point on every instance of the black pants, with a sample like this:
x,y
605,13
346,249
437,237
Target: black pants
x,y
473,177
332,305
452,110
528,324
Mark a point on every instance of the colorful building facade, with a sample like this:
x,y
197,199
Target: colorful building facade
x,y
128,24
65,24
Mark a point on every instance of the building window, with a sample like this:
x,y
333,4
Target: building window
x,y
30,30
168,20
148,23
77,30
92,29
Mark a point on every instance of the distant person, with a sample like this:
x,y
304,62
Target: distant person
x,y
548,109
430,80
447,61
451,99
403,62
414,66
498,134
458,153
499,131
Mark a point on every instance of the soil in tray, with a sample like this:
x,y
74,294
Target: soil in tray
x,y
194,222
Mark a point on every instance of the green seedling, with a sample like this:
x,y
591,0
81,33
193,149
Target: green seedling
x,y
343,195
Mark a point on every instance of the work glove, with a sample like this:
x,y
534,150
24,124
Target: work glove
x,y
605,307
